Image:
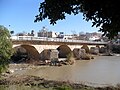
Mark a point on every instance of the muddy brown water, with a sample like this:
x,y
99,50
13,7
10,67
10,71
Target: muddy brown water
x,y
103,70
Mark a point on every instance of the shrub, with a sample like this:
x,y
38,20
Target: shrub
x,y
6,50
64,87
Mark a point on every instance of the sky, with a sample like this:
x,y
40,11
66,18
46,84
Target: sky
x,y
19,16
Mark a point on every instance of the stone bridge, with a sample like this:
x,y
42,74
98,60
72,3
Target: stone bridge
x,y
34,46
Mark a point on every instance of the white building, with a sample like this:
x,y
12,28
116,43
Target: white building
x,y
93,38
45,33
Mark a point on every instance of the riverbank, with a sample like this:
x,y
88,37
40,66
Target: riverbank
x,y
41,83
102,72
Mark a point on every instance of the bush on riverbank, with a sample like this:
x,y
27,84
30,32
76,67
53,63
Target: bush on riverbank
x,y
64,87
70,58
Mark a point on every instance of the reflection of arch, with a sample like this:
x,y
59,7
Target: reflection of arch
x,y
86,48
64,50
32,52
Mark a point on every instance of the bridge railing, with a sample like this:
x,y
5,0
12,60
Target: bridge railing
x,y
22,38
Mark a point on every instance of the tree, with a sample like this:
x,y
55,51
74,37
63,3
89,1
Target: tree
x,y
104,14
32,33
6,50
11,32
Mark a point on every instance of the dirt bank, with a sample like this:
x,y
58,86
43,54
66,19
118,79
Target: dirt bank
x,y
37,81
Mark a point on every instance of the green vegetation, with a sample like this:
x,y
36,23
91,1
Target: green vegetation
x,y
64,87
97,11
6,50
70,58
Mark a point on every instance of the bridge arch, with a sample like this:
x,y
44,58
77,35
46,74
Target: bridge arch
x,y
30,50
64,50
86,48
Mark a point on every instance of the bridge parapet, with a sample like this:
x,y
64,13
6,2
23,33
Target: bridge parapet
x,y
57,40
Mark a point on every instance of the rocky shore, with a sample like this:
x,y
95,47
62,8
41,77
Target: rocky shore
x,y
30,81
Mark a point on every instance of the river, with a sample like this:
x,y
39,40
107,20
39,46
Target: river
x,y
103,70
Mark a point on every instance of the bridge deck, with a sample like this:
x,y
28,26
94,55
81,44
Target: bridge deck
x,y
53,41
